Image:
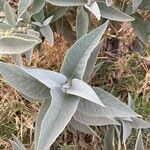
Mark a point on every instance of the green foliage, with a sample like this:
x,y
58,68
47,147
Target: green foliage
x,y
66,97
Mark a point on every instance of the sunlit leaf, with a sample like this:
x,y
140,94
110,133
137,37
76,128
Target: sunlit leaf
x,y
23,6
57,117
121,110
9,15
113,13
82,22
81,89
76,59
48,34
21,81
94,9
139,142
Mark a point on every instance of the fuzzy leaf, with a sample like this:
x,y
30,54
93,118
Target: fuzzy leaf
x,y
2,5
50,79
21,81
94,9
91,63
57,13
139,142
82,22
42,112
139,123
18,142
83,90
57,117
113,107
135,5
96,68
39,17
28,55
93,121
131,102
81,127
145,5
17,43
66,2
76,59
126,130
18,59
15,146
48,34
109,139
9,15
37,6
23,6
140,27
113,13
47,21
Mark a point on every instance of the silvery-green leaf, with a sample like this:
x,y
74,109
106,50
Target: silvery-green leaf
x,y
113,13
28,55
113,107
109,2
127,119
9,15
15,146
140,27
39,17
59,114
71,129
50,79
131,102
93,121
21,81
26,17
37,6
18,59
43,110
47,32
91,63
76,59
47,21
82,22
139,123
145,5
66,2
109,139
15,139
139,142
96,68
126,130
29,37
94,9
83,90
33,33
23,6
81,127
4,26
135,5
2,5
37,24
57,13
18,43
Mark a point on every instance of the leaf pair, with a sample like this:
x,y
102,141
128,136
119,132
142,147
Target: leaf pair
x,y
46,30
